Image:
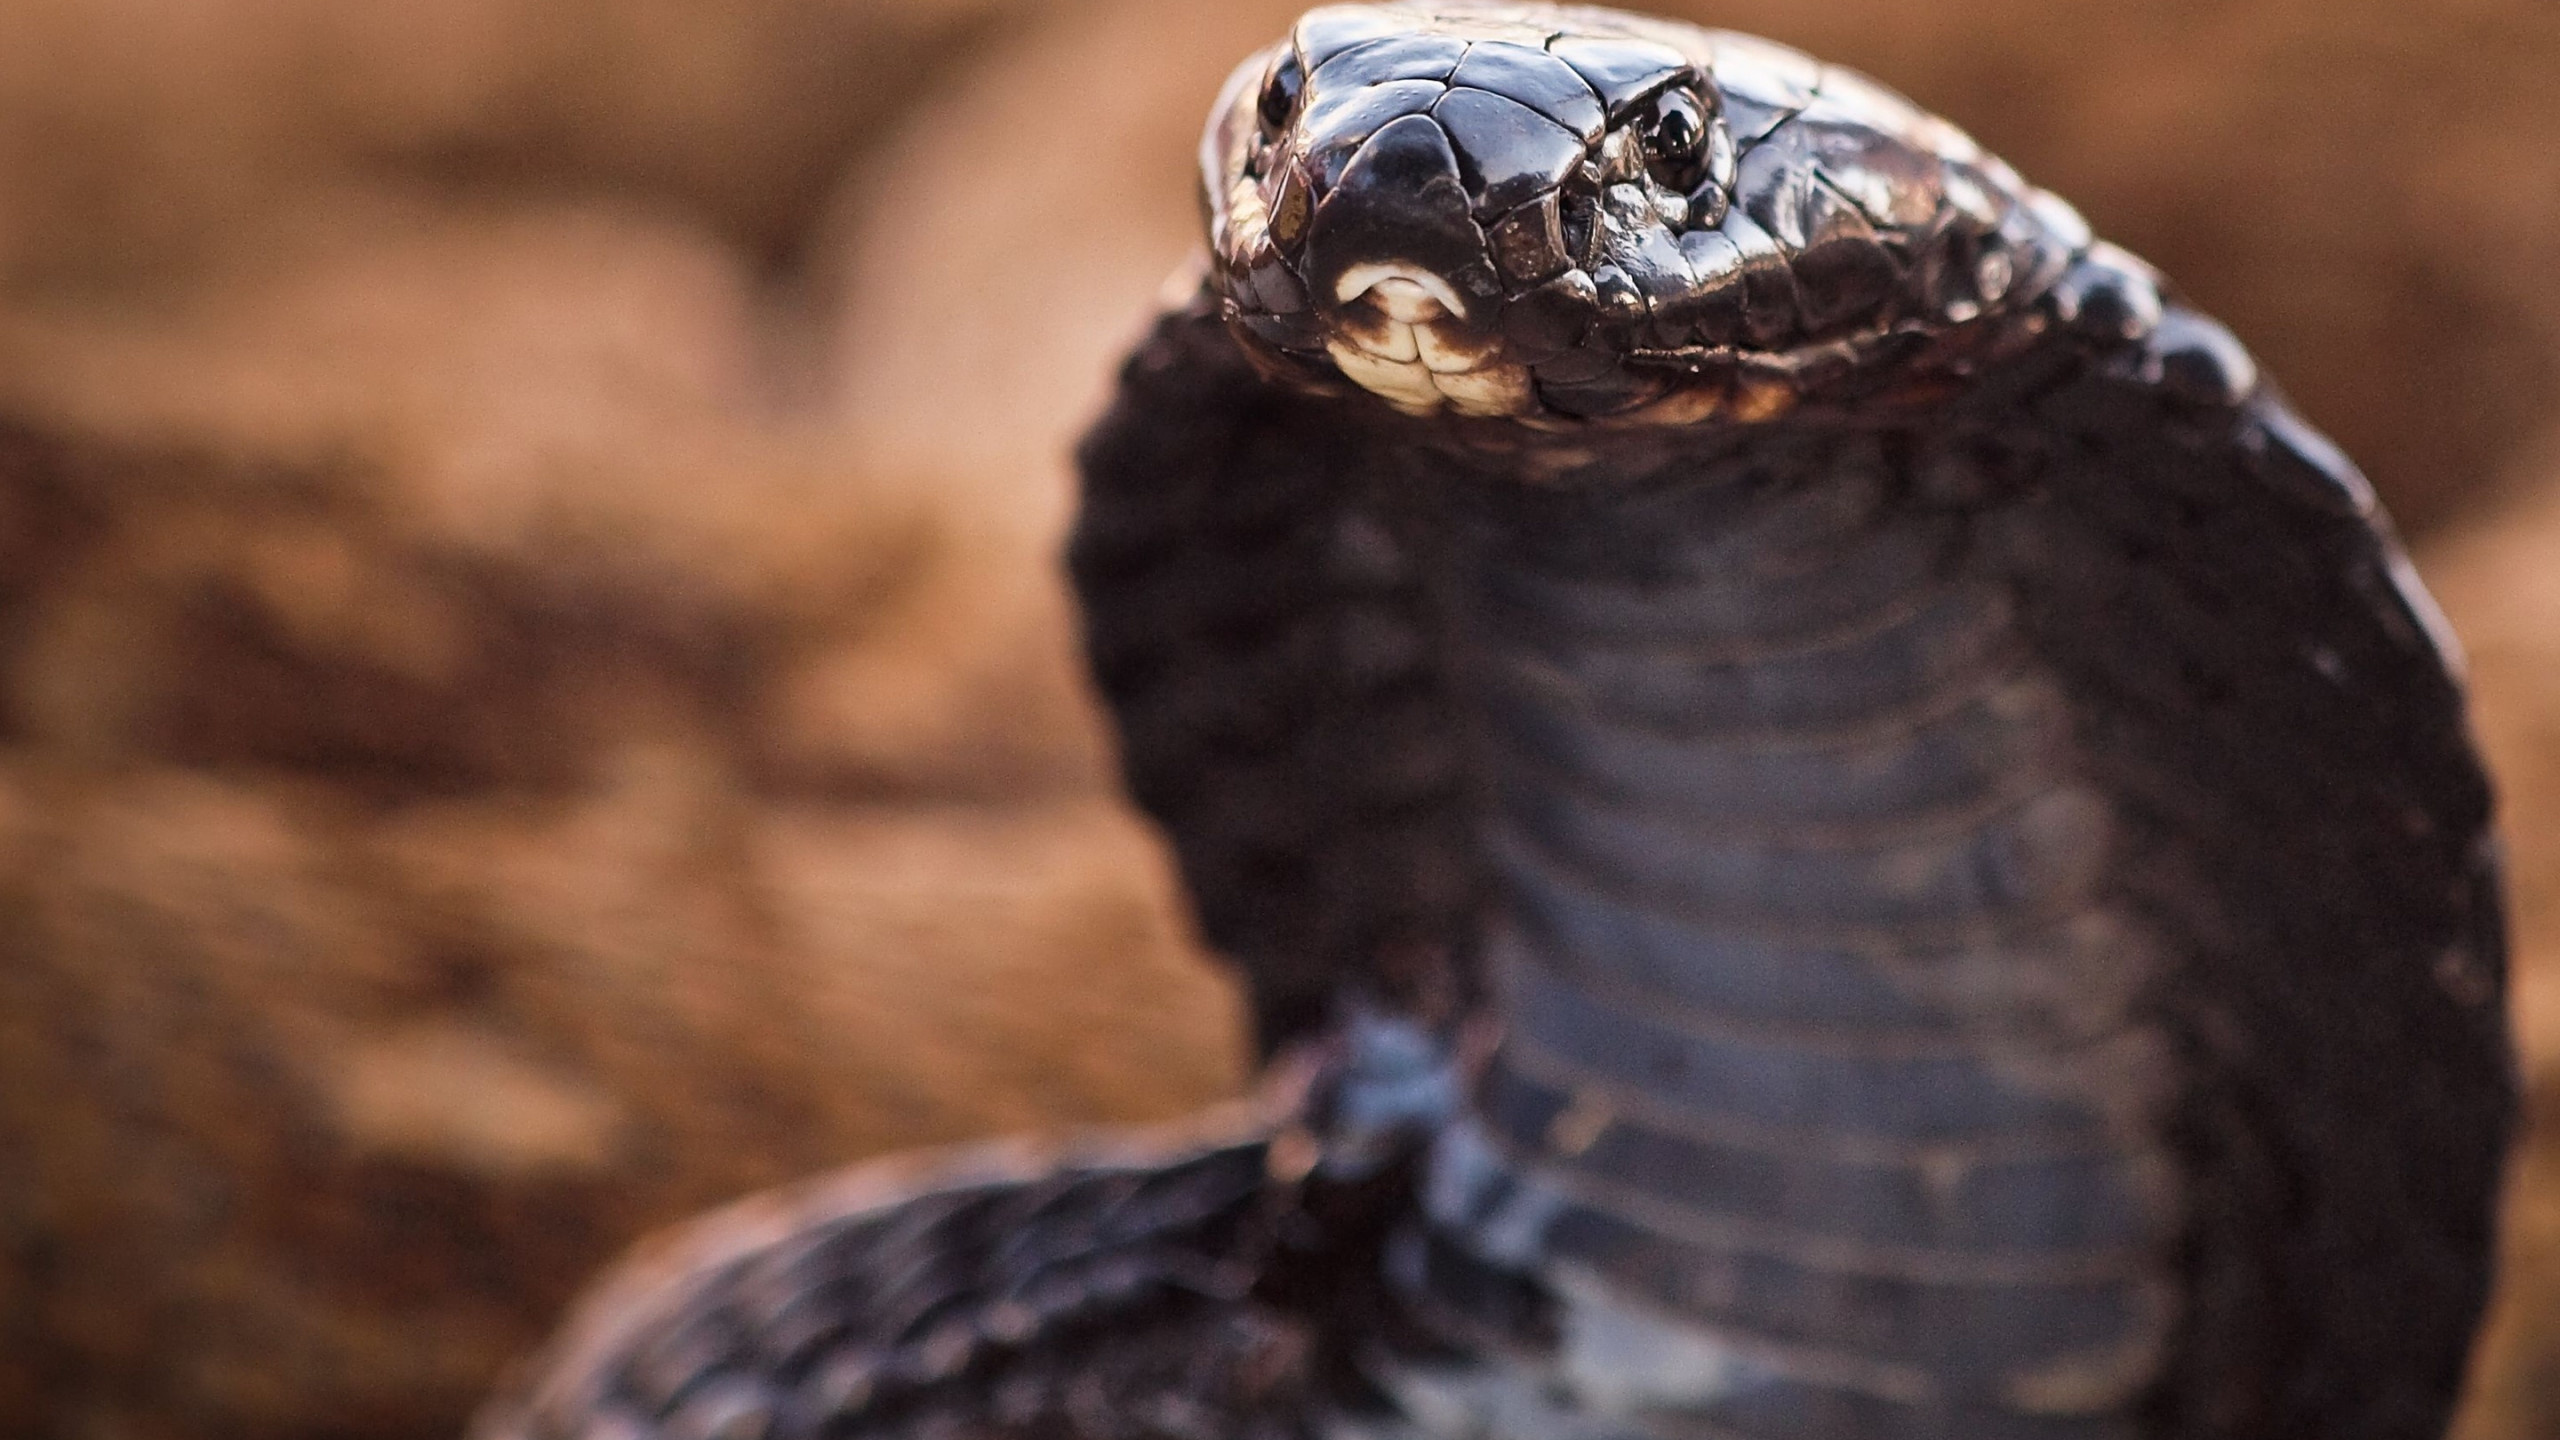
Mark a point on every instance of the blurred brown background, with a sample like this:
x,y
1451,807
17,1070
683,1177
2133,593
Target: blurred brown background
x,y
533,690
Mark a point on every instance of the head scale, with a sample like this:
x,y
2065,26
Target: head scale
x,y
1559,215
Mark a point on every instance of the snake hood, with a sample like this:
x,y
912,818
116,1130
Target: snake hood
x,y
1562,214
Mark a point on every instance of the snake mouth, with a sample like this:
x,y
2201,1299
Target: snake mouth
x,y
1402,333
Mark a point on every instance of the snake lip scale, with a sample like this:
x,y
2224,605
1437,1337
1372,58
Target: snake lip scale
x,y
1837,825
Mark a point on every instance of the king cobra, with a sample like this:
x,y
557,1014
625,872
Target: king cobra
x,y
1837,823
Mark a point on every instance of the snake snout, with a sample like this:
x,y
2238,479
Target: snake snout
x,y
1398,206
1404,277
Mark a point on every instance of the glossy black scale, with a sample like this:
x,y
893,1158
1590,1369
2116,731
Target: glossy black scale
x,y
1838,825
1620,72
1535,79
1508,153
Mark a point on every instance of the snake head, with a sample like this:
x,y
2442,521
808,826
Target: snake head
x,y
1563,214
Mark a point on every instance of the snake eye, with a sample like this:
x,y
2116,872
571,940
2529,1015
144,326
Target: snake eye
x,y
1280,92
1673,127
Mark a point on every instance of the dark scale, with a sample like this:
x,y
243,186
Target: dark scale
x,y
1757,1084
1838,826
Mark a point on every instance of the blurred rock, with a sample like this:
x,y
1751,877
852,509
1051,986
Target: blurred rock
x,y
319,1111
136,139
483,775
443,501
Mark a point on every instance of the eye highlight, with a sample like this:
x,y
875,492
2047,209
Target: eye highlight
x,y
1280,92
1673,127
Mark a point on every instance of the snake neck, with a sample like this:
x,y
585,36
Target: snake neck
x,y
1799,971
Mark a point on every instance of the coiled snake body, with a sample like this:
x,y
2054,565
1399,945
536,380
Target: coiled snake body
x,y
1841,825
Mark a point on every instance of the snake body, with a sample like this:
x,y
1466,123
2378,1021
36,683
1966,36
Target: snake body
x,y
1841,825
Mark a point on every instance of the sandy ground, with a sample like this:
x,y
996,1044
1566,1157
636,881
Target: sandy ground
x,y
534,694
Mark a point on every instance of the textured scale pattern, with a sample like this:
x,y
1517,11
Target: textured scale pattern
x,y
1759,1072
997,1290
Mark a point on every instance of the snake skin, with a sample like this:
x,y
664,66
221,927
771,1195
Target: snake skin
x,y
1103,1294
1851,829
